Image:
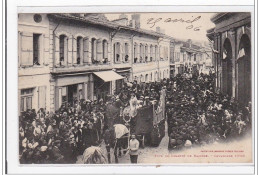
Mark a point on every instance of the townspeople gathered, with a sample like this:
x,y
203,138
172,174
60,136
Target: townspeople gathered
x,y
196,114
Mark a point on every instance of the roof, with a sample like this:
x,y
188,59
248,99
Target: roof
x,y
106,23
217,16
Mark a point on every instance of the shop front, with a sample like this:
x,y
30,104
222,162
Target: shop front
x,y
125,73
105,83
72,89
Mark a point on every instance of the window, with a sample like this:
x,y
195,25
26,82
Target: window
x,y
94,50
62,49
135,53
194,57
141,78
141,53
26,99
151,53
178,55
156,76
156,52
117,52
105,51
161,50
146,78
146,53
79,50
126,52
36,49
37,18
165,53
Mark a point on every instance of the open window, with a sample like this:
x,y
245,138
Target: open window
x,y
126,59
146,53
105,51
63,50
117,52
36,49
151,53
135,53
79,50
141,53
94,50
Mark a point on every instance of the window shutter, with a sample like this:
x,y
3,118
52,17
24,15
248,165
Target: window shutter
x,y
66,50
86,50
26,49
46,47
57,50
42,97
99,49
70,50
74,50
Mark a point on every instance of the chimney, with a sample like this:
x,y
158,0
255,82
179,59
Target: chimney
x,y
189,41
122,16
136,18
132,23
122,20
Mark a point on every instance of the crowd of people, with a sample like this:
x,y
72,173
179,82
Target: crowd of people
x,y
196,114
60,136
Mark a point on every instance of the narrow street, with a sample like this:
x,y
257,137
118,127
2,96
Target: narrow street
x,y
199,154
144,153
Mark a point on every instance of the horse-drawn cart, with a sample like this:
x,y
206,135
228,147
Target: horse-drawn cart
x,y
148,123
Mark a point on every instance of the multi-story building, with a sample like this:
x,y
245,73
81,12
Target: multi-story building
x,y
69,57
231,37
189,57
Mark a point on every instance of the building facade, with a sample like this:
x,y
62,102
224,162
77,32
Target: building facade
x,y
232,54
69,57
189,57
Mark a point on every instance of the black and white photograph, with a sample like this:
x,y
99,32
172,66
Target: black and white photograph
x,y
135,88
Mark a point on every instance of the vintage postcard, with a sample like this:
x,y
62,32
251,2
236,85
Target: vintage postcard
x,y
135,88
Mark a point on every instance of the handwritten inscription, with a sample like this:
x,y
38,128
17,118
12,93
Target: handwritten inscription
x,y
153,21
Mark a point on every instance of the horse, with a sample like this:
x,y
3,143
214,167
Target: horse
x,y
116,138
114,127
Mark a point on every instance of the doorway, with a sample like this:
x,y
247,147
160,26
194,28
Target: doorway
x,y
72,94
244,70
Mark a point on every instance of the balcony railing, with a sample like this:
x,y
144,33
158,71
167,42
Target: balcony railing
x,y
146,60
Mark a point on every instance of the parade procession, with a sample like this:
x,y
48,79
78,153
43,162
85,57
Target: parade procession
x,y
98,89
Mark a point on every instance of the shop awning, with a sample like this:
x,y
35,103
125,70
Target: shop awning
x,y
108,75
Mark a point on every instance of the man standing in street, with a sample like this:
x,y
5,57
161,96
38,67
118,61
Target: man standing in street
x,y
133,149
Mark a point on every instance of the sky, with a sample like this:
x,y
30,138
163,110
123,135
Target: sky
x,y
181,26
